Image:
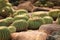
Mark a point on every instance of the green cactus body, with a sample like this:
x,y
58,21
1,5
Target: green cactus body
x,y
35,22
54,14
3,23
4,33
20,12
6,11
49,4
2,4
8,4
8,20
48,20
12,29
40,14
20,25
19,17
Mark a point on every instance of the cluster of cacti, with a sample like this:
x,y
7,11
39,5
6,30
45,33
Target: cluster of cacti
x,y
54,14
35,22
48,20
49,4
4,33
20,25
12,29
20,12
40,14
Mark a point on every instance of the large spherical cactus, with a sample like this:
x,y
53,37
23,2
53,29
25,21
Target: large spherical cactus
x,y
20,25
21,11
12,29
40,14
3,23
54,14
48,20
35,22
4,33
19,17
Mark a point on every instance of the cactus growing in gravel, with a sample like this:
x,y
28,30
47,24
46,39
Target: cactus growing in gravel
x,y
54,14
19,17
21,11
20,25
35,22
40,14
48,20
4,33
12,29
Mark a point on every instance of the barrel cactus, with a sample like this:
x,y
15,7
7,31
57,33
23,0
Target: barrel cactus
x,y
20,25
19,17
4,33
40,14
35,22
48,20
12,29
54,14
3,23
6,11
21,11
8,20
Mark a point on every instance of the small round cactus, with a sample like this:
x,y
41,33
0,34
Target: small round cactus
x,y
3,23
35,22
21,11
12,29
20,25
19,17
8,20
48,20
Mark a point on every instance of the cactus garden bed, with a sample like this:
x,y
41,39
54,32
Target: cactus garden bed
x,y
24,25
